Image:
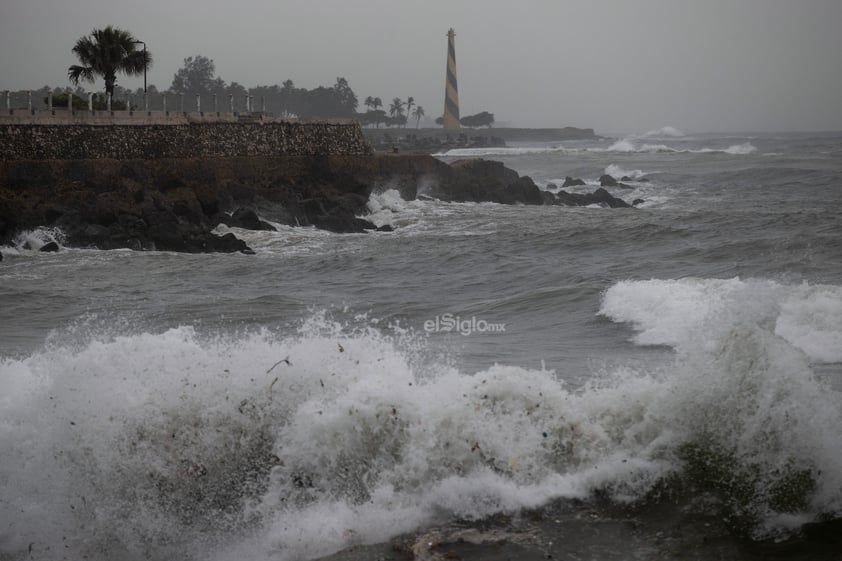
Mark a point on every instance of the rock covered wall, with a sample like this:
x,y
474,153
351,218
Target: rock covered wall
x,y
194,140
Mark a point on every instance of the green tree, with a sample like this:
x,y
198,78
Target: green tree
x,y
410,101
418,114
396,110
484,119
105,53
346,98
197,77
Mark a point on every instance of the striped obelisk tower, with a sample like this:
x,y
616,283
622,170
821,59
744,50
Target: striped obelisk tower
x,y
451,93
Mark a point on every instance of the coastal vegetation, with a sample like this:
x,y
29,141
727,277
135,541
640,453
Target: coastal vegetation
x,y
105,53
111,51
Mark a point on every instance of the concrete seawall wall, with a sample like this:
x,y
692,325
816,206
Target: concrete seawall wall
x,y
147,136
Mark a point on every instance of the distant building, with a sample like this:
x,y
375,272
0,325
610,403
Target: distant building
x,y
451,92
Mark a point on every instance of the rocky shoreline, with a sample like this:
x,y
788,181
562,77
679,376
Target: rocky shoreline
x,y
174,204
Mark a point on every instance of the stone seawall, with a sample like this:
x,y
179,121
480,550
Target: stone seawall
x,y
204,139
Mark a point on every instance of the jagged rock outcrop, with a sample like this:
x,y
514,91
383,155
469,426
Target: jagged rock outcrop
x,y
247,219
598,197
571,182
479,180
174,204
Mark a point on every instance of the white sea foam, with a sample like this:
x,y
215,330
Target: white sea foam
x,y
505,151
33,240
390,208
677,312
617,172
264,446
629,145
663,132
738,149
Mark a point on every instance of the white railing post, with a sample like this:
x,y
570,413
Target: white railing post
x,y
146,102
198,103
29,100
91,102
50,101
8,100
230,101
108,100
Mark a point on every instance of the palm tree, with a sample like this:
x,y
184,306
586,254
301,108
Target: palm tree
x,y
410,101
418,113
369,102
105,53
396,108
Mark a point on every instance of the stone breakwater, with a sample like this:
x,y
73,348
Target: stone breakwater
x,y
188,140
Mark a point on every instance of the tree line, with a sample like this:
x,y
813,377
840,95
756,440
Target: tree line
x,y
111,51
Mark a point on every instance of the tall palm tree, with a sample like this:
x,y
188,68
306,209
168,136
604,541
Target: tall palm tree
x,y
418,113
396,108
377,103
410,101
369,102
105,53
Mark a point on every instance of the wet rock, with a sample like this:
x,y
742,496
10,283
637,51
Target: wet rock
x,y
638,180
599,197
247,219
228,243
638,202
49,247
386,228
607,181
570,182
480,180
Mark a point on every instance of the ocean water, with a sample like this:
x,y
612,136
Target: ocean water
x,y
336,390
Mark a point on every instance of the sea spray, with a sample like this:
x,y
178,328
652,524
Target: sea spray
x,y
294,446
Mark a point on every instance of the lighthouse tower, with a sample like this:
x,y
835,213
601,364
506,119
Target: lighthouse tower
x,y
451,93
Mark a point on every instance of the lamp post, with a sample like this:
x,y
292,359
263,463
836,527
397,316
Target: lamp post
x,y
144,62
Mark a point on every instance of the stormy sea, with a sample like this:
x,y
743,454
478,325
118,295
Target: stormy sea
x,y
485,382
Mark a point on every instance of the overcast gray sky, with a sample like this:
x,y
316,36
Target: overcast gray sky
x,y
613,65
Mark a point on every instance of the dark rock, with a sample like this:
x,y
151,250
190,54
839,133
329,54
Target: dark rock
x,y
600,197
228,243
570,182
523,190
49,247
624,186
638,180
551,186
549,198
247,219
386,228
607,181
1,255
637,202
479,180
